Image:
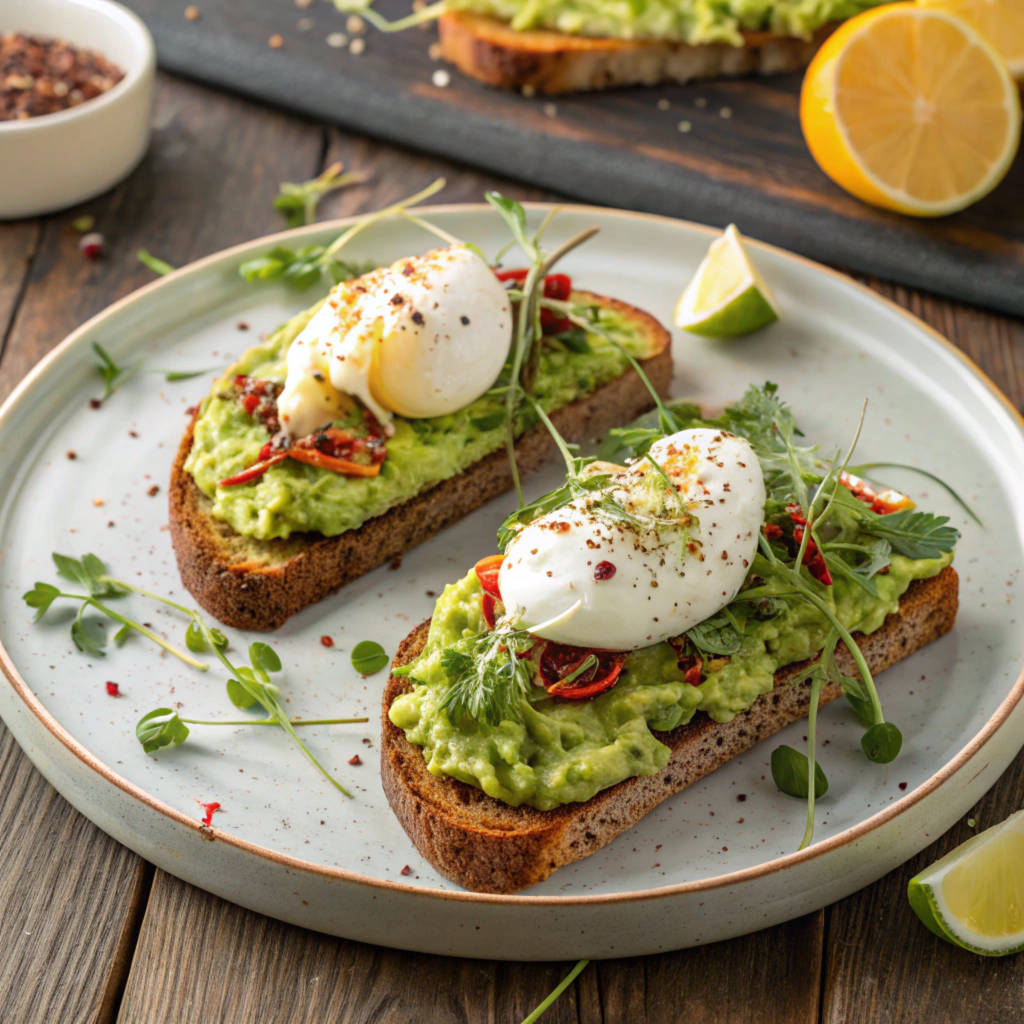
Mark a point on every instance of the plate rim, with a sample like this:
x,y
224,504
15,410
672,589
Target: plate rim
x,y
773,866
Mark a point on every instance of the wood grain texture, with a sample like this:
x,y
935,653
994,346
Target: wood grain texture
x,y
236,967
771,977
71,900
743,159
883,966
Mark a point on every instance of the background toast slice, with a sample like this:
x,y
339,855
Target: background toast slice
x,y
551,62
256,584
487,846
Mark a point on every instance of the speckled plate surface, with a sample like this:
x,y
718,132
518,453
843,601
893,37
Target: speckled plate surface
x,y
714,861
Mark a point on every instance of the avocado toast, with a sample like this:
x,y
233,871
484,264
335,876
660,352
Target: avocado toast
x,y
376,418
514,744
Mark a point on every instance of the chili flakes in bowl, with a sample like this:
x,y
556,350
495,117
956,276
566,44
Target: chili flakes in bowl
x,y
45,76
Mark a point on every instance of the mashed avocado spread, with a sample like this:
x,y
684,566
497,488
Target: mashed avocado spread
x,y
686,21
291,497
566,751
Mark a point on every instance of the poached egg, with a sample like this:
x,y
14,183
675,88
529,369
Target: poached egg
x,y
424,337
636,585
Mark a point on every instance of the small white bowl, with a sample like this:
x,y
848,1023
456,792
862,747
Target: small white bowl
x,y
56,160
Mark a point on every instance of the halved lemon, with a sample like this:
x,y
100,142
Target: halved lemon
x,y
1001,22
911,109
974,896
727,296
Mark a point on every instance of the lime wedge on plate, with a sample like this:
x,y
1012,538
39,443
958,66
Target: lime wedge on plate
x,y
728,296
974,896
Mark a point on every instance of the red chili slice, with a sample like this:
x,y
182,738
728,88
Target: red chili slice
x,y
557,286
560,660
488,605
251,403
254,471
312,457
487,570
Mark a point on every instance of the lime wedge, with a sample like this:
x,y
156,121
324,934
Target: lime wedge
x,y
974,896
727,296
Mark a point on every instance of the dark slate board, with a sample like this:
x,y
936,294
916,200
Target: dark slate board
x,y
614,148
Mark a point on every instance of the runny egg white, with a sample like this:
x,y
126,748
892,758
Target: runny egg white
x,y
424,337
637,585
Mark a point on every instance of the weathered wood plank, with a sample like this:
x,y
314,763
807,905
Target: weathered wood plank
x,y
770,977
232,966
70,897
883,965
71,900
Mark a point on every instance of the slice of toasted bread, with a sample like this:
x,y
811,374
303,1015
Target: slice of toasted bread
x,y
552,62
258,584
487,846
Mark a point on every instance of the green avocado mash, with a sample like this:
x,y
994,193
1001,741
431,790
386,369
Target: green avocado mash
x,y
686,21
566,751
291,497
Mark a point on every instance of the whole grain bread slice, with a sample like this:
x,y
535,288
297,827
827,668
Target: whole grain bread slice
x,y
487,846
551,62
254,584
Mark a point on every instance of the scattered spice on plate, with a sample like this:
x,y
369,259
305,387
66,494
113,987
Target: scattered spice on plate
x,y
903,785
406,870
356,47
326,641
154,490
98,502
242,325
355,24
275,42
72,454
95,403
113,689
210,809
355,759
192,12
41,76
91,245
741,797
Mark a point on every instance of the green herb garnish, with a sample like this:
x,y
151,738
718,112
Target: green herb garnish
x,y
368,657
791,773
158,266
298,203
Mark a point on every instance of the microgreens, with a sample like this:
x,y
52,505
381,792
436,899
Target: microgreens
x,y
114,375
488,681
558,990
368,657
247,685
363,8
158,266
527,322
305,267
298,203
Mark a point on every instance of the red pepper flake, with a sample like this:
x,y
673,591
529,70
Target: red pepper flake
x,y
604,571
95,403
741,797
242,325
72,454
326,641
693,674
903,785
210,808
113,689
406,870
154,490
772,531
355,759
91,245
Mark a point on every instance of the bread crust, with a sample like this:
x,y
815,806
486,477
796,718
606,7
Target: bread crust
x,y
485,845
257,585
551,62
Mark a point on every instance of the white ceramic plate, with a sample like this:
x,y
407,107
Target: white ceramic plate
x,y
714,861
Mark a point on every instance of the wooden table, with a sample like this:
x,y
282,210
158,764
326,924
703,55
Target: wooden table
x,y
90,932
